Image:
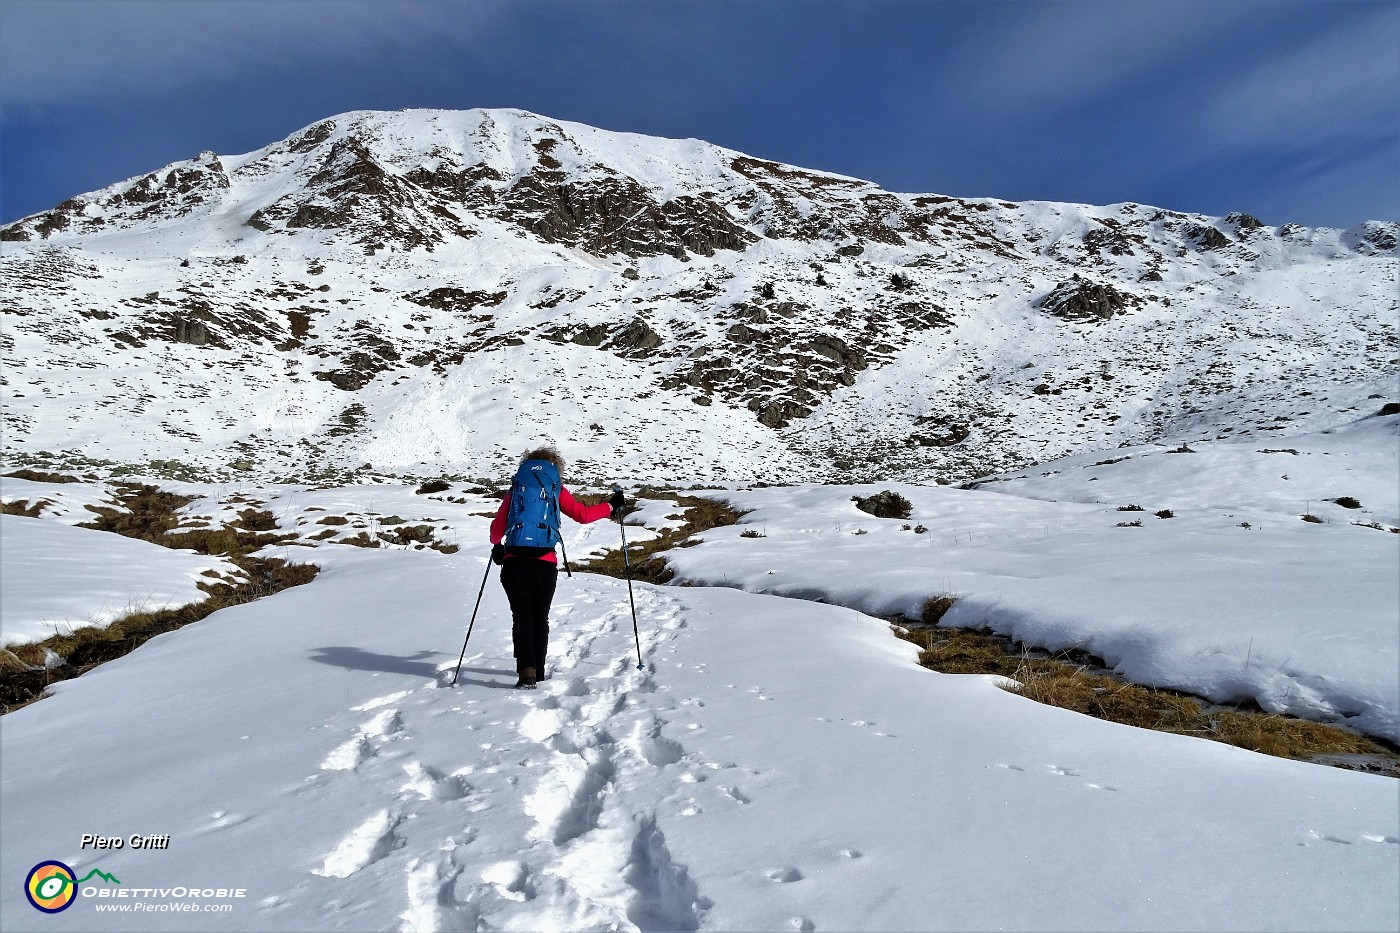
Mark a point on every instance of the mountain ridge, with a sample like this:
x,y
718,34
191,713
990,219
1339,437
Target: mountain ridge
x,y
431,291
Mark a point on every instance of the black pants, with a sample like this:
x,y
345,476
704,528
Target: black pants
x,y
529,585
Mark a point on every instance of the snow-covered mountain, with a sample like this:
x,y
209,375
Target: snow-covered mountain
x,y
430,291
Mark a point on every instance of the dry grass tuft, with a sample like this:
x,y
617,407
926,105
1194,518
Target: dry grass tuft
x,y
85,648
22,507
700,515
1070,682
935,608
34,476
151,516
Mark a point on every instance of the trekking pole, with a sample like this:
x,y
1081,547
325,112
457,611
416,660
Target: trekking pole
x,y
626,562
473,621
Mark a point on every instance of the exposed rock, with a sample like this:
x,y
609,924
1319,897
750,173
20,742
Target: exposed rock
x,y
637,335
351,191
1378,236
193,332
1243,223
591,335
1207,238
174,191
615,214
470,187
834,348
776,414
1109,237
1081,300
454,299
885,504
314,135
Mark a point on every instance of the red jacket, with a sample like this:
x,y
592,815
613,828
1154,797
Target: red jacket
x,y
583,514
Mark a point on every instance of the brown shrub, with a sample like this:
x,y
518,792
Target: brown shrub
x,y
700,515
885,504
35,476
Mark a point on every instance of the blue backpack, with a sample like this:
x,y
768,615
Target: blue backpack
x,y
532,522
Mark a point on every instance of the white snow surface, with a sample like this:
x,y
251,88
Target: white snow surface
x,y
1284,326
55,578
778,765
1227,601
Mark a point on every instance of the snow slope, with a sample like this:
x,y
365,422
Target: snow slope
x,y
58,578
779,765
396,288
1234,597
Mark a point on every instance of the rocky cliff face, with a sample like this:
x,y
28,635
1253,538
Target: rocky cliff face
x,y
412,265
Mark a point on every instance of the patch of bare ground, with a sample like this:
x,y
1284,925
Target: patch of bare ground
x,y
643,557
1077,681
148,514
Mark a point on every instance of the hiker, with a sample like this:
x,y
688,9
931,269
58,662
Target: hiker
x,y
523,535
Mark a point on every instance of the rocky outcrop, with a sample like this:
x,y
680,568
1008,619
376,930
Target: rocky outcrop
x,y
191,331
1082,300
635,338
174,191
454,299
1376,237
352,192
1206,237
365,353
616,215
1110,237
1243,223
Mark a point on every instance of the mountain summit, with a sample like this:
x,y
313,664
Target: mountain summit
x,y
431,291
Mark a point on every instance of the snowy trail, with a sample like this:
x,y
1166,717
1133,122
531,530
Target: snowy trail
x,y
779,765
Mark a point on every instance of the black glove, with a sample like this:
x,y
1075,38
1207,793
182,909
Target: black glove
x,y
617,502
498,554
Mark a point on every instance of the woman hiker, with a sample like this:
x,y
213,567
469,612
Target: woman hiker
x,y
523,535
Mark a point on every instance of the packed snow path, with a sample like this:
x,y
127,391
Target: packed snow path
x,y
779,765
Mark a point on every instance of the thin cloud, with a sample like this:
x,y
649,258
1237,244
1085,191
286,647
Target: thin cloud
x,y
56,51
1058,56
1339,85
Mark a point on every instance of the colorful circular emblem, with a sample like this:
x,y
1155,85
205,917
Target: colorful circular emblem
x,y
51,886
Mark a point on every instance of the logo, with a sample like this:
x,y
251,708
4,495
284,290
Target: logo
x,y
52,886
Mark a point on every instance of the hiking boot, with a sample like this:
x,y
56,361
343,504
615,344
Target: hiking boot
x,y
527,679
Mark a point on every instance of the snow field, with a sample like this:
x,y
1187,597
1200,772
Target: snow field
x,y
1300,619
58,578
778,765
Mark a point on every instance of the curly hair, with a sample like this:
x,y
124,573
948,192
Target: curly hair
x,y
548,453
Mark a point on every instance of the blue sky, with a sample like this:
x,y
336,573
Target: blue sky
x,y
1287,110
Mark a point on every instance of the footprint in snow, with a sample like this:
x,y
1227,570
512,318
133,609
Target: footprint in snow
x,y
735,793
348,755
785,875
383,724
221,819
366,844
431,784
511,880
380,701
